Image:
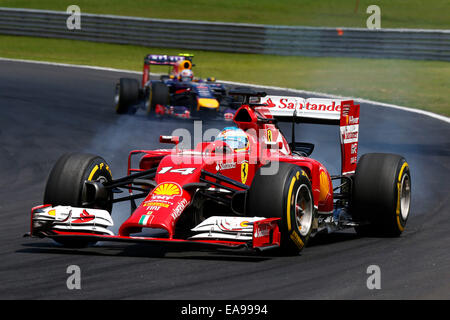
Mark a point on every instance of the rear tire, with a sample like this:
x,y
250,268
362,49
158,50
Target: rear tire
x,y
127,94
65,184
286,195
381,195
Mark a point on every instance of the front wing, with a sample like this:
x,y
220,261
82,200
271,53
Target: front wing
x,y
257,233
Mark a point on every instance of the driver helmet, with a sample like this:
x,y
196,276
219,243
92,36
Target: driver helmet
x,y
235,138
186,75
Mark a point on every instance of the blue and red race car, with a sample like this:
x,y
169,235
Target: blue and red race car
x,y
177,94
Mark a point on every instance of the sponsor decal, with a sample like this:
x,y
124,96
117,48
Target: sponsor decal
x,y
168,189
320,107
282,103
270,104
261,231
156,204
353,120
244,171
165,199
350,133
179,209
244,224
291,103
84,217
165,58
345,112
225,166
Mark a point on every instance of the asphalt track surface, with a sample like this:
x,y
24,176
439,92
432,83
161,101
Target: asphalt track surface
x,y
48,110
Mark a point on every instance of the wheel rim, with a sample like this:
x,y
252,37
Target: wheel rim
x,y
405,196
303,209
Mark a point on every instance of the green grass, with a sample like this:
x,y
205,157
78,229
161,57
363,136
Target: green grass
x,y
431,14
418,84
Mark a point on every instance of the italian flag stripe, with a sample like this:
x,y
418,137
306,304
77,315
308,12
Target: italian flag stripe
x,y
144,219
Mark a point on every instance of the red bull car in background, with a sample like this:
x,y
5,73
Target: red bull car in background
x,y
249,188
177,94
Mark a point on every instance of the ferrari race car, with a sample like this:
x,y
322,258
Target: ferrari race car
x,y
177,94
248,188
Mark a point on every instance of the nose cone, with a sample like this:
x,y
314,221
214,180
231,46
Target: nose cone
x,y
208,103
160,210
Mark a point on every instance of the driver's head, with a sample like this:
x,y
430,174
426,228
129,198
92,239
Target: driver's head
x,y
235,138
186,75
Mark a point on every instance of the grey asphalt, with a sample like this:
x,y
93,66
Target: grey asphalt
x,y
48,110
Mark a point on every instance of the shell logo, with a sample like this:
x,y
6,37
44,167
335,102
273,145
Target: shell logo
x,y
244,224
168,189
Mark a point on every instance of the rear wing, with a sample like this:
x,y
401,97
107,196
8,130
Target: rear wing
x,y
162,60
322,111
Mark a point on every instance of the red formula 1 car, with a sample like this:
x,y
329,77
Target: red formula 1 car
x,y
247,188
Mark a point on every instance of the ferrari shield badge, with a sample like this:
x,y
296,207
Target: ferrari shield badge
x,y
244,171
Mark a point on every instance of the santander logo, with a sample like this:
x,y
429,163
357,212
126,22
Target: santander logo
x,y
312,104
321,107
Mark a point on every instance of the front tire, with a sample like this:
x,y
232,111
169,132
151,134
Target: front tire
x,y
65,184
286,195
381,194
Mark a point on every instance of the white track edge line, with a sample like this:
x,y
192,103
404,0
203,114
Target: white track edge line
x,y
360,100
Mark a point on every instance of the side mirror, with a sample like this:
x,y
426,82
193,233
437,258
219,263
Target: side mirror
x,y
169,139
